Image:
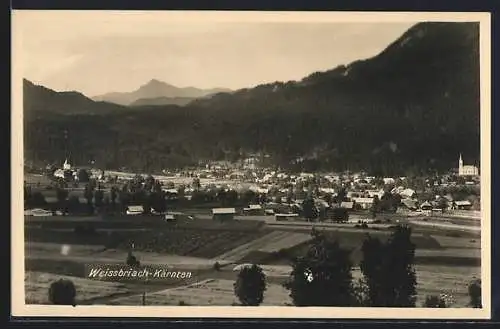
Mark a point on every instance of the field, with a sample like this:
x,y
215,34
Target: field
x,y
451,284
212,292
446,258
37,286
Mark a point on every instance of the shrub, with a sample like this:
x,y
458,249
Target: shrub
x,y
475,293
182,303
434,301
132,260
250,286
217,266
62,292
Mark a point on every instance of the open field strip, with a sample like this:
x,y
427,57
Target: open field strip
x,y
212,292
239,252
286,241
447,226
37,287
93,255
465,243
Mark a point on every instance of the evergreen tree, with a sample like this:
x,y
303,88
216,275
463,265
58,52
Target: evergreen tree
x,y
388,269
323,276
250,285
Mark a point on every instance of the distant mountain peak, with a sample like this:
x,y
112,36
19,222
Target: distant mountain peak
x,y
156,90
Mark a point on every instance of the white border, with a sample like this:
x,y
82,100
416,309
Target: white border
x,y
17,300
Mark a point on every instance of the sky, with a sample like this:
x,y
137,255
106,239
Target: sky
x,y
96,53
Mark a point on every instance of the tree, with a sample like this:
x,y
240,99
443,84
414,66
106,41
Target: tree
x,y
62,292
340,214
474,290
196,184
375,206
434,301
323,276
61,195
341,195
388,269
231,197
99,198
250,285
309,209
83,176
88,194
158,202
132,260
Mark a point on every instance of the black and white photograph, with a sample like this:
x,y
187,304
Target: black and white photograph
x,y
251,164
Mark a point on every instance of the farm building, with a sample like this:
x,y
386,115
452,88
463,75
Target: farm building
x,y
282,217
135,210
462,205
363,203
349,205
409,204
223,214
426,206
254,209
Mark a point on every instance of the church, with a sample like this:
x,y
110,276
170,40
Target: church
x,y
466,170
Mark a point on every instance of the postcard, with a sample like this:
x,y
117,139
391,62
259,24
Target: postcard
x,y
197,164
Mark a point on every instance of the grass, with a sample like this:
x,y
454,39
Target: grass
x,y
37,286
210,292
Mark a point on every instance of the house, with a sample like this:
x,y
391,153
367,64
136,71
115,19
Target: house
x,y
347,205
407,193
283,217
426,207
409,204
363,203
389,180
269,212
254,209
462,205
223,214
135,210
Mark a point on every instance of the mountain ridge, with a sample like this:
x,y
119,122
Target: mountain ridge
x,y
155,89
414,106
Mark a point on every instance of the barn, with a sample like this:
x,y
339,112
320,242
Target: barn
x,y
223,214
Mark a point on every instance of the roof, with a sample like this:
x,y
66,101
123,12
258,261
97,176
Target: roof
x,y
363,200
286,215
347,204
463,203
409,203
135,208
223,211
255,206
426,204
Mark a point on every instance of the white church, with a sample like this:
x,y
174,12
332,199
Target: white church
x,y
466,170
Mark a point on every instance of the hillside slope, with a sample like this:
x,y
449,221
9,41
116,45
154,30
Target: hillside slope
x,y
414,106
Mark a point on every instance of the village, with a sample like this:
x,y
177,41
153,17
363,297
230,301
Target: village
x,y
244,188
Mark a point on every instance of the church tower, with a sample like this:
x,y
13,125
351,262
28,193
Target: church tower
x,y
460,164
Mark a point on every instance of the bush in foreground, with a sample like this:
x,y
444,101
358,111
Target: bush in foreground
x,y
323,276
62,292
434,301
475,293
250,285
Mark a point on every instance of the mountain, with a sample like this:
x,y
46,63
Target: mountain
x,y
39,99
156,89
413,107
181,101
